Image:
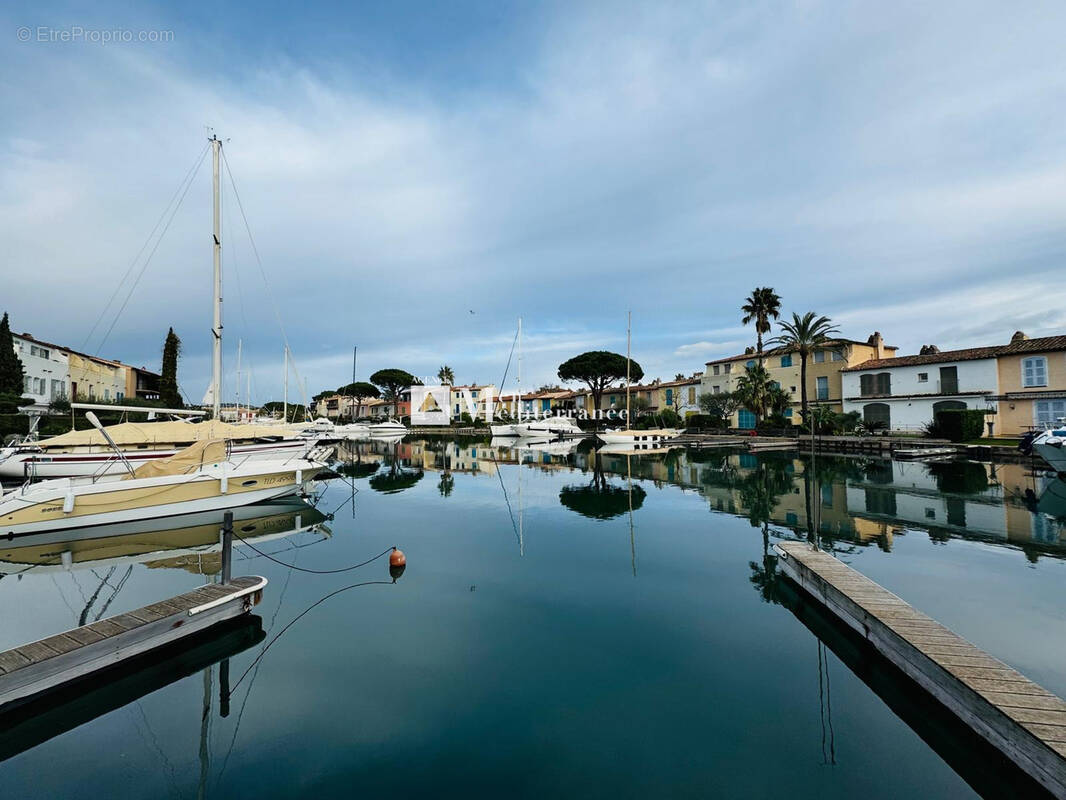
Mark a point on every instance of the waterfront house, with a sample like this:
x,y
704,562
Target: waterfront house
x,y
96,380
824,368
46,371
1020,385
478,394
142,383
903,393
1032,383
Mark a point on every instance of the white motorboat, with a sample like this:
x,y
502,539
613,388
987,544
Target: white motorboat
x,y
87,452
504,430
549,427
1050,445
639,440
203,477
388,428
352,431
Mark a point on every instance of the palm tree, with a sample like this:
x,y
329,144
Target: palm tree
x,y
754,389
804,335
446,376
760,307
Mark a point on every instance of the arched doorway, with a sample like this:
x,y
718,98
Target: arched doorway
x,y
948,405
877,414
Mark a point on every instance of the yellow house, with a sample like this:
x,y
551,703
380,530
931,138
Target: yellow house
x,y
97,379
1032,383
783,365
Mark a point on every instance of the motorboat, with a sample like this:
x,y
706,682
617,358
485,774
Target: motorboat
x,y
549,427
88,452
652,439
353,431
1050,445
203,477
504,430
389,428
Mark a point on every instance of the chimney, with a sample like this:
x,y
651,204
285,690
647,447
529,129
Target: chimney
x,y
875,341
1019,336
928,350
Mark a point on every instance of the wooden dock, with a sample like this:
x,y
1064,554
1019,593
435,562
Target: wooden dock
x,y
31,669
1020,719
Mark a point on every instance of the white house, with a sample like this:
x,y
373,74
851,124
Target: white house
x,y
46,369
905,391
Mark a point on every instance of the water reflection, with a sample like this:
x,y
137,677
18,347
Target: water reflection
x,y
844,502
187,542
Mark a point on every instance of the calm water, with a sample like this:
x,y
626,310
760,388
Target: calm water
x,y
546,639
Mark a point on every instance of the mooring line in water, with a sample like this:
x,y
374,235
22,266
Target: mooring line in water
x,y
312,571
299,616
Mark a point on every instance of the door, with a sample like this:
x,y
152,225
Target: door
x,y
745,419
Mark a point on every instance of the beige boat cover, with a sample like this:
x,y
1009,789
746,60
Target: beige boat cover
x,y
162,434
184,461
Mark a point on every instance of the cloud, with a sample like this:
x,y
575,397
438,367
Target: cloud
x,y
663,160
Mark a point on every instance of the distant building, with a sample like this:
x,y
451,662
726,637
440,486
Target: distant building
x,y
1032,383
824,368
46,369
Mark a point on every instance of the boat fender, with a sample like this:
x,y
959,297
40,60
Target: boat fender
x,y
68,503
224,483
299,477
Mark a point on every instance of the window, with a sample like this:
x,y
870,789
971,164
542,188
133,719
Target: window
x,y
59,389
923,377
1034,371
949,380
691,395
788,413
750,363
669,397
745,419
930,513
823,387
728,368
837,355
473,393
38,351
119,396
714,370
786,361
827,495
614,399
27,384
819,356
716,389
1047,413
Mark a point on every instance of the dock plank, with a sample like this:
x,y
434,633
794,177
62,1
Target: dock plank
x,y
1023,720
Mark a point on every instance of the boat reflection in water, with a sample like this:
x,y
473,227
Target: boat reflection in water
x,y
190,541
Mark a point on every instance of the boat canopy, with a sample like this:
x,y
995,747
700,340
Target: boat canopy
x,y
183,462
162,433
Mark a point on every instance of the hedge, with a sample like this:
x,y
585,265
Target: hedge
x,y
961,424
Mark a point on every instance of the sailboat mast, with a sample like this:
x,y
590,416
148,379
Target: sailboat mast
x,y
519,369
239,343
629,327
216,330
285,404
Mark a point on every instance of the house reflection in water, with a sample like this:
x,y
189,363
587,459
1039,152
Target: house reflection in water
x,y
862,501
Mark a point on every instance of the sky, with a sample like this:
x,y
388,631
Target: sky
x,y
417,176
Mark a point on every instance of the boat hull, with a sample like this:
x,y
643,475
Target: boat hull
x,y
27,514
20,465
1054,456
504,430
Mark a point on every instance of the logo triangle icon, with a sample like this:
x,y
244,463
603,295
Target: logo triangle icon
x,y
429,404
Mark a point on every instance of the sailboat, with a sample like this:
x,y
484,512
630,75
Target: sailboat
x,y
87,453
652,439
511,429
203,477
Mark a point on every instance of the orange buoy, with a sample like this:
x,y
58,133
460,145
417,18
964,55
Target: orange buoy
x,y
397,558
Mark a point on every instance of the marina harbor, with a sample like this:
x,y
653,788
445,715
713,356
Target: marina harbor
x,y
529,400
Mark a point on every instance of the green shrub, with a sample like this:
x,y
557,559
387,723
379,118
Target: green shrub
x,y
960,425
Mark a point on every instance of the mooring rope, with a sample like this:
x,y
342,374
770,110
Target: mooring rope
x,y
312,571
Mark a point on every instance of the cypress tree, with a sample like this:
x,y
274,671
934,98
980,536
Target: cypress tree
x,y
11,371
168,381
